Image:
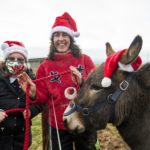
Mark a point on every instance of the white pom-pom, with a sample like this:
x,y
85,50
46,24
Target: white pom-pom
x,y
70,93
4,46
76,34
106,82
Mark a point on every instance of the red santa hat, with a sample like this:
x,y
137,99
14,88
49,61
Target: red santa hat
x,y
111,64
10,47
65,23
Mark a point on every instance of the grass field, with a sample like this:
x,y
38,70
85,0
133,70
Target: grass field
x,y
36,134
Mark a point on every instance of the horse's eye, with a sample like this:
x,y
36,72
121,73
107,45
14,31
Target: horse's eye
x,y
95,87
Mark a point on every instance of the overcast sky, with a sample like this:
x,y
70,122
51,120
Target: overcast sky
x,y
98,21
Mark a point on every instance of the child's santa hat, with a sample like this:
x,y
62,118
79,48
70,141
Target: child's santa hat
x,y
10,47
112,63
65,23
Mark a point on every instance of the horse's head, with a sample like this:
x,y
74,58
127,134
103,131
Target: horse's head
x,y
95,105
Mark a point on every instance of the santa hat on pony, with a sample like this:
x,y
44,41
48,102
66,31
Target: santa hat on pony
x,y
10,47
111,64
65,23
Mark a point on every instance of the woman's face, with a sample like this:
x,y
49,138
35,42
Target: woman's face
x,y
61,42
16,63
17,57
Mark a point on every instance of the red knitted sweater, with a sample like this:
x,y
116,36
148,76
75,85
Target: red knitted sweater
x,y
55,86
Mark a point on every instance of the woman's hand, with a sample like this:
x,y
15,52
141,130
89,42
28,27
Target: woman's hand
x,y
24,80
76,75
3,115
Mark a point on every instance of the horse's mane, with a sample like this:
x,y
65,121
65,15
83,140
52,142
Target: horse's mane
x,y
125,105
122,110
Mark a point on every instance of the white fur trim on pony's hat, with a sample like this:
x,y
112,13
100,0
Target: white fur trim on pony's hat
x,y
106,82
70,93
124,67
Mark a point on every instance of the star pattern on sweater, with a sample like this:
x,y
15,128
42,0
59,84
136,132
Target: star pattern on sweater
x,y
55,77
80,68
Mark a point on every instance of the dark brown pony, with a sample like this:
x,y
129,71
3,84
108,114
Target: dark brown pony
x,y
129,110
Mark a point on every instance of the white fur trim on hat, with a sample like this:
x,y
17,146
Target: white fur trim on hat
x,y
106,82
76,34
124,67
13,49
66,30
70,95
4,46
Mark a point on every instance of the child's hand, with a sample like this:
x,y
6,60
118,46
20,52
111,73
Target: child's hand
x,y
24,80
3,115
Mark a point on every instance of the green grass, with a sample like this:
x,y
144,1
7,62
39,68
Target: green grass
x,y
36,133
97,145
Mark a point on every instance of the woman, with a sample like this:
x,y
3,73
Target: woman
x,y
12,125
64,55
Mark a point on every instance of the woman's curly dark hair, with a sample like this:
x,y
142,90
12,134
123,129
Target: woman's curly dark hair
x,y
76,51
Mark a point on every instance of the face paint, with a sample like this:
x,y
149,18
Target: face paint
x,y
15,67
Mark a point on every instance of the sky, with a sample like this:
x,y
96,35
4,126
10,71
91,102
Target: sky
x,y
98,21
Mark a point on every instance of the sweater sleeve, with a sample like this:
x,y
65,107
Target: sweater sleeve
x,y
35,110
89,66
42,93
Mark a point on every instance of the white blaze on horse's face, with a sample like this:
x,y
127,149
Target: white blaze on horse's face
x,y
73,122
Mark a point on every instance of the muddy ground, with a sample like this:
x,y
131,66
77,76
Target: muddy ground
x,y
110,139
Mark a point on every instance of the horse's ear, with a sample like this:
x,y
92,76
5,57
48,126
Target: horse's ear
x,y
109,49
133,51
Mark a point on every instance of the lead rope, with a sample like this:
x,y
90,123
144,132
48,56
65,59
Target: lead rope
x,y
77,83
58,136
50,139
54,111
26,137
26,140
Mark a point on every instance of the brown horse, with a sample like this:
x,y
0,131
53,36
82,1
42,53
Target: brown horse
x,y
126,103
